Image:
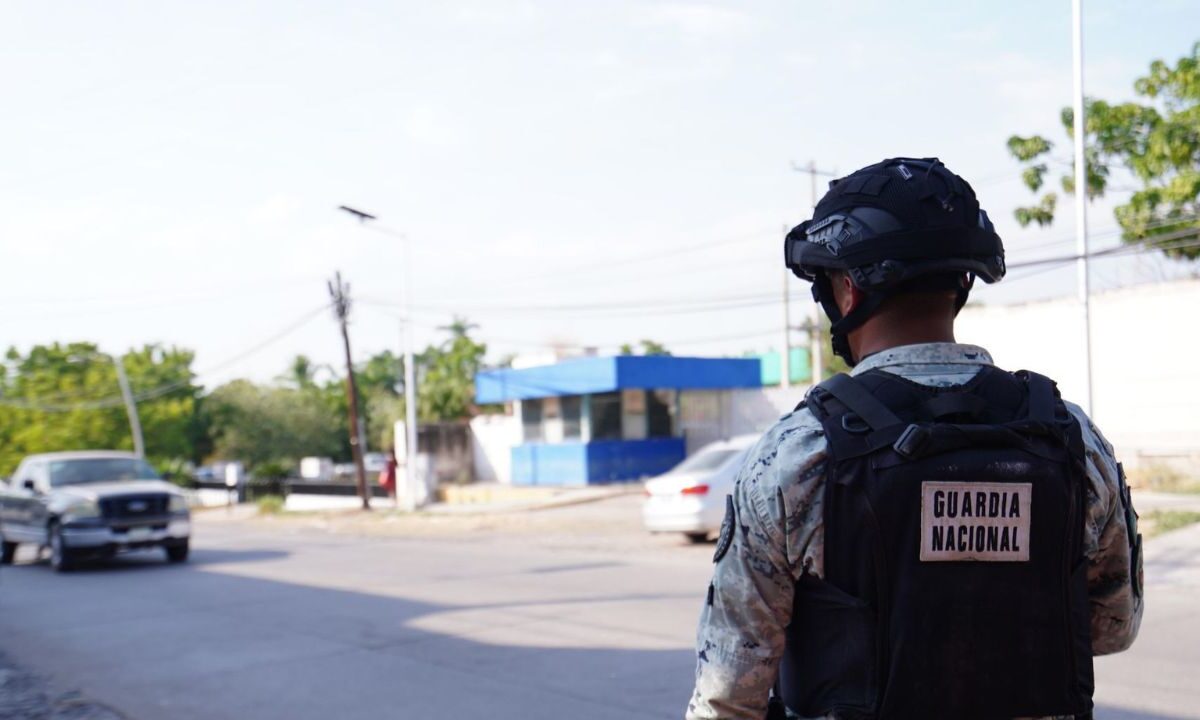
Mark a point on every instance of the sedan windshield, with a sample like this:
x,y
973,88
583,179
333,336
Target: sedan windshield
x,y
708,460
91,470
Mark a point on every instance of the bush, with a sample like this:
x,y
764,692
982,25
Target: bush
x,y
264,487
271,470
1158,522
175,470
270,504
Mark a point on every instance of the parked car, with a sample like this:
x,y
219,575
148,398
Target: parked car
x,y
91,504
690,498
316,469
374,463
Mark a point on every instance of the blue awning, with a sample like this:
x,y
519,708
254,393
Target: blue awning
x,y
589,375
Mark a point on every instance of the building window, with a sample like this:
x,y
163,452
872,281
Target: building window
x,y
633,414
660,413
531,420
606,416
571,407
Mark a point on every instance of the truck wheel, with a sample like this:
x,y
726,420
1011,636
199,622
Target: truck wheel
x,y
177,553
60,556
697,537
8,551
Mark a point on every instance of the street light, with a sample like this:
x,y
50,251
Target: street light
x,y
410,383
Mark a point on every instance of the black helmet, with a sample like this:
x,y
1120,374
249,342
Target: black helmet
x,y
901,225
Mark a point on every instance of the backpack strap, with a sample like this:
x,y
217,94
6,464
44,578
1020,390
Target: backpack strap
x,y
1043,397
860,402
946,405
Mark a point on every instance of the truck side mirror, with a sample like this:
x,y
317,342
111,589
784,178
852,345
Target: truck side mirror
x,y
28,485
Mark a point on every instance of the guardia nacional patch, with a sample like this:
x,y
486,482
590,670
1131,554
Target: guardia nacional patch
x,y
980,522
727,530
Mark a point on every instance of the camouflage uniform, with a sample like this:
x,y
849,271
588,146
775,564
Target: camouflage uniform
x,y
780,536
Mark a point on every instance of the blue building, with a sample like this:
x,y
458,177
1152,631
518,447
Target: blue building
x,y
605,419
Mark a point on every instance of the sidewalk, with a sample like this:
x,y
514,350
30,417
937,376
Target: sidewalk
x,y
1156,678
483,499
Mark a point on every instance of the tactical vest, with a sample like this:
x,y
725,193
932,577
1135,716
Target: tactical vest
x,y
955,581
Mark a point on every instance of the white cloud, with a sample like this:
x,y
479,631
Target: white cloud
x,y
430,126
275,210
696,20
510,13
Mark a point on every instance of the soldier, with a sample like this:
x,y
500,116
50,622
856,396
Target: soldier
x,y
928,536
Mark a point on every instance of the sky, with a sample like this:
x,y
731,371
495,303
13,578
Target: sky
x,y
565,173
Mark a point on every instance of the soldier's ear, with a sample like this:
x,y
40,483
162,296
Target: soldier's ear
x,y
845,292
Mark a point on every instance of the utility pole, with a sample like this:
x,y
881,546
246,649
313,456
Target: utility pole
x,y
410,388
816,349
340,292
135,424
1081,238
407,498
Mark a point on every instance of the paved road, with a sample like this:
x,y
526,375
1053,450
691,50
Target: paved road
x,y
293,622
296,624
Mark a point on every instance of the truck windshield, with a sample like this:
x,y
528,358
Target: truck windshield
x,y
91,470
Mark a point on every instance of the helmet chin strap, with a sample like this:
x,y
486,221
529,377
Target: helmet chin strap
x,y
842,325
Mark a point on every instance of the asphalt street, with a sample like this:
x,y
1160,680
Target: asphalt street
x,y
582,619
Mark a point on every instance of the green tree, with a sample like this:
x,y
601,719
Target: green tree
x,y
381,384
1157,142
262,424
302,372
648,347
447,375
66,397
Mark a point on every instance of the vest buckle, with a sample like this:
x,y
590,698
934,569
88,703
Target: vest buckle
x,y
911,441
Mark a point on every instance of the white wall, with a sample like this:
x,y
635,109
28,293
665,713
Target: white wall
x,y
1145,345
710,415
492,440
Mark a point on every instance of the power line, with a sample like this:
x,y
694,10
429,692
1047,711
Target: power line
x,y
609,279
668,307
1178,240
591,267
149,300
583,346
152,393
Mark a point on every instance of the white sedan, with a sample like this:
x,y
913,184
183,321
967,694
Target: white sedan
x,y
690,498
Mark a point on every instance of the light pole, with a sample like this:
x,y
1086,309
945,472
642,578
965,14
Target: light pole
x,y
410,381
1081,236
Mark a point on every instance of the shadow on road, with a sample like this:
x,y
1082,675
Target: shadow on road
x,y
196,642
155,559
189,643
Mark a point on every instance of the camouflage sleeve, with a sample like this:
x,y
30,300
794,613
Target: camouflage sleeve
x,y
1112,545
741,633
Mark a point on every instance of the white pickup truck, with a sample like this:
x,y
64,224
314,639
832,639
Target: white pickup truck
x,y
91,504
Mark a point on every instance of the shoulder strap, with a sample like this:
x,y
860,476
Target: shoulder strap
x,y
1043,399
861,402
